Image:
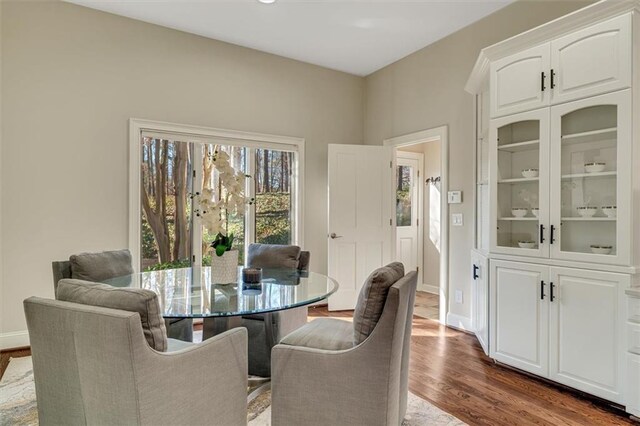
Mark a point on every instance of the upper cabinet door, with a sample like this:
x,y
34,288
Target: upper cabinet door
x,y
591,61
520,82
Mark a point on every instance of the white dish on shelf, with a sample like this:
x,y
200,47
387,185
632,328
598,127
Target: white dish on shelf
x,y
599,249
535,211
594,167
530,173
587,211
519,211
527,244
610,211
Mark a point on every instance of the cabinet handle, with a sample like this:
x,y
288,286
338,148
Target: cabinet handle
x,y
551,237
553,75
541,234
541,290
475,272
551,296
542,77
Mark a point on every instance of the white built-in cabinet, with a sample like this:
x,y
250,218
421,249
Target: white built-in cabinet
x,y
558,201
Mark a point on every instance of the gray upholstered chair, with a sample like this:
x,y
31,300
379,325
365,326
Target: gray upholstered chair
x,y
92,365
265,330
110,264
321,375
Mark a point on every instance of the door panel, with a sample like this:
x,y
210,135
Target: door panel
x,y
480,285
516,81
519,316
408,211
592,61
360,217
586,317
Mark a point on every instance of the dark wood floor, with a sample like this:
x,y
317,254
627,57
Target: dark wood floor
x,y
449,369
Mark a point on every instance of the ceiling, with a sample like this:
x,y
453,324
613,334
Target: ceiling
x,y
354,36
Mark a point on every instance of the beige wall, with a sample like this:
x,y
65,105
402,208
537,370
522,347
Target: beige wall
x,y
72,77
426,90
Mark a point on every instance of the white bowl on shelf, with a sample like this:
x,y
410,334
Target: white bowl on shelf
x,y
530,173
610,211
595,167
600,249
587,211
535,211
519,211
527,244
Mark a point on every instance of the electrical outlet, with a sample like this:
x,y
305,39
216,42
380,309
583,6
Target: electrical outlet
x,y
459,297
456,219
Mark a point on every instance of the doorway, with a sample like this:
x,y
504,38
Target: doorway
x,y
421,216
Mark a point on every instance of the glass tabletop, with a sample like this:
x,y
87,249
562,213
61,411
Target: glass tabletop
x,y
189,292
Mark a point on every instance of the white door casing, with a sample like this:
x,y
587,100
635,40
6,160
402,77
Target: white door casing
x,y
361,220
408,238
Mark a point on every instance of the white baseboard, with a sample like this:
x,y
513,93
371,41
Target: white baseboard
x,y
433,289
460,322
14,339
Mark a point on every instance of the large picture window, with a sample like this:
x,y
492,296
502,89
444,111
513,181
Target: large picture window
x,y
174,166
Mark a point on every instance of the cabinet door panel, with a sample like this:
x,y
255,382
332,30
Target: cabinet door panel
x,y
633,389
586,341
519,316
480,285
592,61
516,81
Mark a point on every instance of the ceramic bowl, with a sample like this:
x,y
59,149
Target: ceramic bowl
x,y
610,211
594,167
598,249
535,211
587,211
530,173
519,212
527,244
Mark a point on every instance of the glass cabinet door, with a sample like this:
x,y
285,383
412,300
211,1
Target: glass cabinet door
x,y
590,179
519,183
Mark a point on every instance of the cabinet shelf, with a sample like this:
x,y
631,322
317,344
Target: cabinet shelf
x,y
520,146
518,180
519,218
592,136
588,219
589,175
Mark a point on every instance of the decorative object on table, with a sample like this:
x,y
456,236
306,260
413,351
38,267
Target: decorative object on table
x,y
527,244
214,207
610,211
601,249
535,211
251,275
594,167
519,211
530,173
587,211
252,289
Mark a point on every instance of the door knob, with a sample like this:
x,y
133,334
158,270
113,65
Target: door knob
x,y
334,236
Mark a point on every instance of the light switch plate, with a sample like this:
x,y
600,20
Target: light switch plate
x,y
454,197
456,219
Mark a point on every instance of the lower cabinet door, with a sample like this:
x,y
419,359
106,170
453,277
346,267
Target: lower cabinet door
x,y
586,335
519,315
480,286
633,384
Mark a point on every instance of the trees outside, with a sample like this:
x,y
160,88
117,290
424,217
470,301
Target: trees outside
x,y
273,196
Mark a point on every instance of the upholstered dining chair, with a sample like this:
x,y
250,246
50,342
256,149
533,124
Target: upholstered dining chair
x,y
110,264
265,330
99,365
333,372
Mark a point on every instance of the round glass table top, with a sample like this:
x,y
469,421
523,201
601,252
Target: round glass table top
x,y
189,292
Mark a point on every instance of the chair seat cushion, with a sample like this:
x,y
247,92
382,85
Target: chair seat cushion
x,y
273,256
322,333
176,345
101,266
372,298
144,302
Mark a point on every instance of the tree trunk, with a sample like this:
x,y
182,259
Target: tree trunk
x,y
181,225
156,217
266,182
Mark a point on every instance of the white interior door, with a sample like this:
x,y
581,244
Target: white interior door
x,y
361,221
408,211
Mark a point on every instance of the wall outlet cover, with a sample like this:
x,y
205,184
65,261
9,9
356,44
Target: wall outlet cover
x,y
459,297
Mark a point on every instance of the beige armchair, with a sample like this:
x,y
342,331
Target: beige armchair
x,y
321,377
93,366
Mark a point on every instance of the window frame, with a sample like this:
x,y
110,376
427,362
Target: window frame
x,y
199,134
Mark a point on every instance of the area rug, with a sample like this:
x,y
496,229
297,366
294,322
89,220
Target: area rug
x,y
18,402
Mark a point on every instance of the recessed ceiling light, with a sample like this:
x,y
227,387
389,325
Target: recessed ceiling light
x,y
267,1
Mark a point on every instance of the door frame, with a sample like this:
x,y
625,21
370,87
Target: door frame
x,y
435,134
419,157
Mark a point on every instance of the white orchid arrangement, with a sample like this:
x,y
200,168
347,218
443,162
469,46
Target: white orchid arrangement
x,y
214,211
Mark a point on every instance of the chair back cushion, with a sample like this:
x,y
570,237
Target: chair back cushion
x,y
101,266
144,302
273,256
371,299
303,261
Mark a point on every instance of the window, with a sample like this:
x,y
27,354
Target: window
x,y
171,167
